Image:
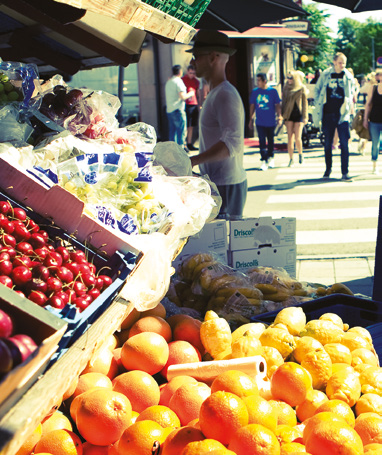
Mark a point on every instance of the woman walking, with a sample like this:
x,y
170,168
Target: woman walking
x,y
373,117
295,112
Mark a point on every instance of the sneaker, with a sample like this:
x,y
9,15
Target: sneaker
x,y
300,158
291,163
345,177
271,163
375,168
264,166
192,147
327,174
186,149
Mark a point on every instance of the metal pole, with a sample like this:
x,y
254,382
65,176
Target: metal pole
x,y
121,76
373,53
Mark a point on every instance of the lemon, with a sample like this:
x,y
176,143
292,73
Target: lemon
x,y
338,353
371,380
273,359
293,317
344,386
323,331
332,317
256,328
363,356
319,365
354,341
303,346
280,339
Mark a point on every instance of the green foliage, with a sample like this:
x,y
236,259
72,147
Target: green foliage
x,y
355,41
323,52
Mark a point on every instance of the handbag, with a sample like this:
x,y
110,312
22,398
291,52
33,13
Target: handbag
x,y
357,125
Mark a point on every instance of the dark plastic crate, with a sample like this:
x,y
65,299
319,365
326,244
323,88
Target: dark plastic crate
x,y
354,311
118,267
190,14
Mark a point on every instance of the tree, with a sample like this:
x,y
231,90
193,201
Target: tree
x,y
355,40
322,53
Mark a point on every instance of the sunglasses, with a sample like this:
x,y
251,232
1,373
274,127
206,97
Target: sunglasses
x,y
290,77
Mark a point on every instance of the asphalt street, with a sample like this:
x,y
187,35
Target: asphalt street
x,y
334,218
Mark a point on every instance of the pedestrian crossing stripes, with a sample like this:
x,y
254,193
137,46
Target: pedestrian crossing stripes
x,y
333,217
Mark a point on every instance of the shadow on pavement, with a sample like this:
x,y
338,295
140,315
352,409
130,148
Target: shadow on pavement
x,y
290,185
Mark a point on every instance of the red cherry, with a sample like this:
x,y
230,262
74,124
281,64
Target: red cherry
x,y
94,293
10,250
38,297
19,213
63,252
22,260
64,274
20,232
8,240
93,268
81,303
41,253
106,281
21,275
73,267
54,284
25,248
53,259
4,256
50,247
78,256
6,281
71,295
56,302
99,283
21,293
37,240
41,272
88,279
7,225
5,207
5,267
44,234
37,284
32,226
79,288
62,295
84,268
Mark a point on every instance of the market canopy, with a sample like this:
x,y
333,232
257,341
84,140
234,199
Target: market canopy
x,y
271,31
242,15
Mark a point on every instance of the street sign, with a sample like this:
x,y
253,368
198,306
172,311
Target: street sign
x,y
298,26
379,61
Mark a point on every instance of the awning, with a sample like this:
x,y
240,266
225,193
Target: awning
x,y
269,31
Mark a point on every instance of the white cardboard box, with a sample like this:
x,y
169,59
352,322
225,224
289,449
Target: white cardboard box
x,y
211,239
253,233
282,256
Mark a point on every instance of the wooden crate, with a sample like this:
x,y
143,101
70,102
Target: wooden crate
x,y
26,414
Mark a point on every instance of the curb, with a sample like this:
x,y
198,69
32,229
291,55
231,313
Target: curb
x,y
335,256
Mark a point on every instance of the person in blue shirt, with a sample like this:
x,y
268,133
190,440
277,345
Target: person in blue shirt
x,y
265,103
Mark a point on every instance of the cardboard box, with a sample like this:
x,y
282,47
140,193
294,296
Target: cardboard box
x,y
252,233
46,330
283,256
63,208
211,239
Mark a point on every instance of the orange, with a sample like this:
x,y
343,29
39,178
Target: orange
x,y
139,387
177,440
158,310
146,351
221,415
261,412
102,416
285,413
134,416
91,449
57,421
59,442
290,383
111,342
235,381
140,437
369,428
70,390
286,433
221,452
163,415
102,362
187,400
154,324
204,447
189,330
117,355
130,319
339,408
333,438
76,402
180,352
291,447
176,318
31,441
255,440
373,449
167,390
369,402
88,381
326,417
307,408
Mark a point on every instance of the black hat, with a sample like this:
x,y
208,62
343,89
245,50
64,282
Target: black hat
x,y
209,41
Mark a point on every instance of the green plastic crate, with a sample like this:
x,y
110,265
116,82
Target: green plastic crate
x,y
190,14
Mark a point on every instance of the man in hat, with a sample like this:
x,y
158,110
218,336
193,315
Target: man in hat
x,y
221,123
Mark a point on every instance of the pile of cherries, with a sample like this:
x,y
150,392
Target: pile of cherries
x,y
41,272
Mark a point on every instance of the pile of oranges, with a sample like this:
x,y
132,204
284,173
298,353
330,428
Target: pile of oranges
x,y
324,394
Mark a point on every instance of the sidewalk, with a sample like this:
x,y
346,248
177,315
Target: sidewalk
x,y
357,273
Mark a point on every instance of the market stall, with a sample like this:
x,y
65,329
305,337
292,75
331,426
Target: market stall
x,y
114,267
